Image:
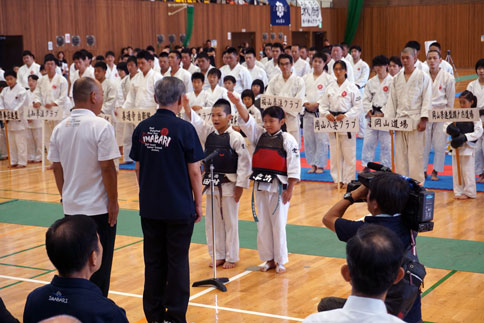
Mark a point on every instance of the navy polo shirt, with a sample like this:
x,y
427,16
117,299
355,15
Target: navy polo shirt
x,y
163,145
346,229
72,296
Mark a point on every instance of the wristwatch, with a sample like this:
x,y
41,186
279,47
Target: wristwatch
x,y
348,197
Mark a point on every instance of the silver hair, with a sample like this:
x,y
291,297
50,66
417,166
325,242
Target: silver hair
x,y
83,88
410,51
169,90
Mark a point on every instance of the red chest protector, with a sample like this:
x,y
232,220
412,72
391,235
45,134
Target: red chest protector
x,y
269,158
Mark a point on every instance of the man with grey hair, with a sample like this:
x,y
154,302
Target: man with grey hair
x,y
410,97
83,149
167,153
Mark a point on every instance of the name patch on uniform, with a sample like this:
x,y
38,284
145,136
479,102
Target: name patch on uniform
x,y
322,124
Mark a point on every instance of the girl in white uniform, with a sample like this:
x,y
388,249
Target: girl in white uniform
x,y
14,98
276,170
374,99
342,100
34,136
477,89
315,143
464,137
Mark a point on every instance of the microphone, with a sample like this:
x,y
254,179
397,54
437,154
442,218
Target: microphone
x,y
378,167
211,156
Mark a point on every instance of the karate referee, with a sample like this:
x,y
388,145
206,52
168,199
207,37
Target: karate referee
x,y
167,153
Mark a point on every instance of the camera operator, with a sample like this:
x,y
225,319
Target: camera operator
x,y
386,198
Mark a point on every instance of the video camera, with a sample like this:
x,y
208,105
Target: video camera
x,y
419,211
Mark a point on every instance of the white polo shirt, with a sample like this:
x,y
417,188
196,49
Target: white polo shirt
x,y
79,143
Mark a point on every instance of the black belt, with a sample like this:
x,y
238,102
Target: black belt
x,y
337,114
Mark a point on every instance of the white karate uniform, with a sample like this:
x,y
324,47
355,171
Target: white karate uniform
x,y
226,226
24,72
243,79
410,99
34,135
376,94
293,87
110,93
218,92
344,98
206,84
349,58
264,61
421,66
443,97
72,72
272,70
50,91
361,72
257,115
466,163
88,72
112,74
257,63
192,68
15,99
184,76
121,132
315,143
271,212
349,69
198,100
141,95
2,74
258,73
445,66
301,67
478,90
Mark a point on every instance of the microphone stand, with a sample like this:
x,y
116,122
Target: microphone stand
x,y
216,282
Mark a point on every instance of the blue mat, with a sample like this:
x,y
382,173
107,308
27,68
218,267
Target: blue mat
x,y
127,167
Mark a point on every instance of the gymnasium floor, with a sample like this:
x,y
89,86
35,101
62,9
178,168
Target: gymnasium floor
x,y
453,254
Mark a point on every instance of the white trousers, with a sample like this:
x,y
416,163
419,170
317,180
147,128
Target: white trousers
x,y
468,176
271,228
479,153
346,152
435,138
127,137
3,143
226,228
315,143
34,144
49,126
372,138
409,150
17,141
362,123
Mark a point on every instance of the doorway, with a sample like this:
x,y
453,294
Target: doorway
x,y
11,48
301,38
318,37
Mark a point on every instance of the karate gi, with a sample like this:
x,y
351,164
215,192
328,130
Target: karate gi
x,y
293,87
34,135
410,99
15,99
272,69
88,72
226,225
184,76
258,73
376,94
478,90
198,100
346,99
49,91
349,69
243,79
466,163
271,212
361,72
192,69
141,95
315,143
443,97
218,92
25,71
301,67
445,66
112,74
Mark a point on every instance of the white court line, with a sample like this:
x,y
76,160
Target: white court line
x,y
229,309
208,290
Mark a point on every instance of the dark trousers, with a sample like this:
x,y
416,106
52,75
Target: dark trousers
x,y
107,236
167,275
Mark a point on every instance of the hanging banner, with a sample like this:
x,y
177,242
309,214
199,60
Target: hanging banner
x,y
280,13
310,13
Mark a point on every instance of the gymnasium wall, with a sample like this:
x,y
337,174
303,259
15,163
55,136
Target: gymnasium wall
x,y
118,23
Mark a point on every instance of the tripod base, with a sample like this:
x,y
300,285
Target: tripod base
x,y
216,282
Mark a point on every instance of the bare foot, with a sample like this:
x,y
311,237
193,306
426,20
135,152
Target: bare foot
x,y
50,167
342,185
267,266
280,269
312,170
461,197
13,166
21,166
319,170
434,176
219,262
228,265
